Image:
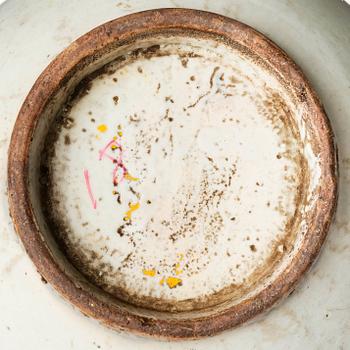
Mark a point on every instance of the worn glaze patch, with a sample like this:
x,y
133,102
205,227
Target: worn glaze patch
x,y
177,180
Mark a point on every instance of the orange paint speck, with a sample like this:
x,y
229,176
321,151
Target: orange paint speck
x,y
173,282
127,176
102,128
151,272
132,208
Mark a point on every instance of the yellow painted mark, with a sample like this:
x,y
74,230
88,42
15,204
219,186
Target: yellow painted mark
x,y
113,147
150,272
161,282
132,208
131,178
181,256
177,269
102,128
120,133
173,282
115,138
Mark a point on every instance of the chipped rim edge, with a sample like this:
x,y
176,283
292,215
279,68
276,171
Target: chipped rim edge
x,y
51,79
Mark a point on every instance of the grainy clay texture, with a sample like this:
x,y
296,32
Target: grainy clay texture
x,y
316,316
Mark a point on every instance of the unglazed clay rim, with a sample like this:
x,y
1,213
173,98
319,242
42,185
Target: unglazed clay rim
x,y
87,47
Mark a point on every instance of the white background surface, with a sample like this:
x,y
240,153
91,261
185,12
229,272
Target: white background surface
x,y
316,34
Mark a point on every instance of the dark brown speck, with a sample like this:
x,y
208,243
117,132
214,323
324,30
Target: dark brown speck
x,y
252,248
116,99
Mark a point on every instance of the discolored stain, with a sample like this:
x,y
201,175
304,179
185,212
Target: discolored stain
x,y
184,62
116,100
212,76
169,98
253,248
68,122
67,140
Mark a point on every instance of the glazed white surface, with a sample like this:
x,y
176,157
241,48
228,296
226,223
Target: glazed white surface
x,y
225,143
316,316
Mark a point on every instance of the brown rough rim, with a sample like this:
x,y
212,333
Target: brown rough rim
x,y
120,30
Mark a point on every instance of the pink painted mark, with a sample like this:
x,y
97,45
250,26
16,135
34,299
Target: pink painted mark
x,y
88,186
120,158
118,162
114,176
110,157
103,151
